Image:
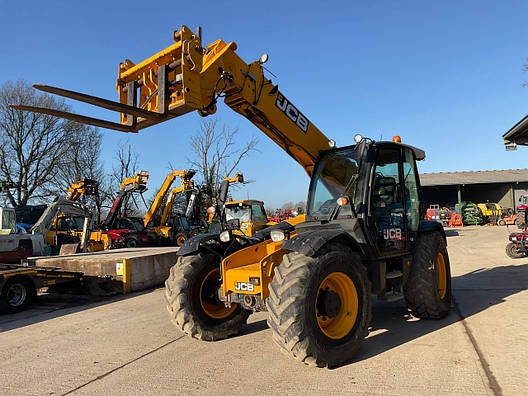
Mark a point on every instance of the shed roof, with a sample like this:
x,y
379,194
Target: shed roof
x,y
477,177
518,133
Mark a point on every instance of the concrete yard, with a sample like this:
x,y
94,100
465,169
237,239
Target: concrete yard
x,y
127,345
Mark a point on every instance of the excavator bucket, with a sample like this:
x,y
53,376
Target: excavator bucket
x,y
161,87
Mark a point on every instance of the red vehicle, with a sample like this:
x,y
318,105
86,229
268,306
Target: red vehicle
x,y
522,211
440,214
129,232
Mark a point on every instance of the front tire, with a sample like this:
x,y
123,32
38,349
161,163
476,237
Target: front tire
x,y
320,308
428,287
192,302
512,251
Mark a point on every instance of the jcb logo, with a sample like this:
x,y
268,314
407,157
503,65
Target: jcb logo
x,y
392,233
292,112
244,286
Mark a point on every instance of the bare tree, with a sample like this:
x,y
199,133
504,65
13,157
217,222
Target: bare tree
x,y
288,205
84,161
300,207
36,148
217,153
127,164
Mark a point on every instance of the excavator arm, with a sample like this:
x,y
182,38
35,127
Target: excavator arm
x,y
187,76
186,177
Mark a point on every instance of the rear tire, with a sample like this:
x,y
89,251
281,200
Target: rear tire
x,y
190,292
16,295
428,287
519,222
513,252
300,326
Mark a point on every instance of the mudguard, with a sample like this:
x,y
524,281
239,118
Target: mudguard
x,y
308,243
432,225
192,245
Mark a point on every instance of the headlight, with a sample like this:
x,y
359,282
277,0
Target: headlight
x,y
225,236
243,226
277,235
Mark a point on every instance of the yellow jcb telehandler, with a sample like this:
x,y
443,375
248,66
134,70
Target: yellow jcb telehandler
x,y
249,214
363,235
163,231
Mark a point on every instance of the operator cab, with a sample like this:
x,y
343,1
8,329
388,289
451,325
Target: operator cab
x,y
250,213
372,191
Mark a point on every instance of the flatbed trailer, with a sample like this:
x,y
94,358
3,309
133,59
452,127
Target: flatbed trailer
x,y
19,284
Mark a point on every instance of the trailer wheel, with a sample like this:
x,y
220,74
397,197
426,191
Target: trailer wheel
x,y
502,222
16,295
513,251
320,307
428,287
192,299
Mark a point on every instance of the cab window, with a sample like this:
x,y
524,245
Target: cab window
x,y
387,200
412,198
258,214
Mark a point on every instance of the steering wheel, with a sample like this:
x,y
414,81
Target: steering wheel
x,y
327,206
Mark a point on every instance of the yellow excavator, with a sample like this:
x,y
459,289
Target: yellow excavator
x,y
164,231
363,235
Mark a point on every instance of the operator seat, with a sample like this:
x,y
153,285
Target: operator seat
x,y
385,192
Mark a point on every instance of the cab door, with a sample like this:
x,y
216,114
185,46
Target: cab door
x,y
258,218
387,206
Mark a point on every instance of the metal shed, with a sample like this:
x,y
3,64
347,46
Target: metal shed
x,y
500,186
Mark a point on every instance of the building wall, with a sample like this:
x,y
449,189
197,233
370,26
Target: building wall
x,y
501,193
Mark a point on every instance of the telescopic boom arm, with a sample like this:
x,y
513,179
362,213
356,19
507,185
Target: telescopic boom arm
x,y
187,76
82,187
185,175
128,186
187,184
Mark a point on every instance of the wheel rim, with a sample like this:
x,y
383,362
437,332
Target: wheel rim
x,y
180,240
441,275
209,304
16,295
337,325
514,250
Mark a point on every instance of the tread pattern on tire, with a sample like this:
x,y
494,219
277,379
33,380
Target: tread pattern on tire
x,y
180,306
420,290
287,294
511,254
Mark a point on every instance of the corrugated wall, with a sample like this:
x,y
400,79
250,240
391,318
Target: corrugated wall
x,y
501,193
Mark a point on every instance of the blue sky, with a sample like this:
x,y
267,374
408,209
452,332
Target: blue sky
x,y
445,76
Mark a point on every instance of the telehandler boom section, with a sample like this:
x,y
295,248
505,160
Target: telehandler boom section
x,y
363,232
162,230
